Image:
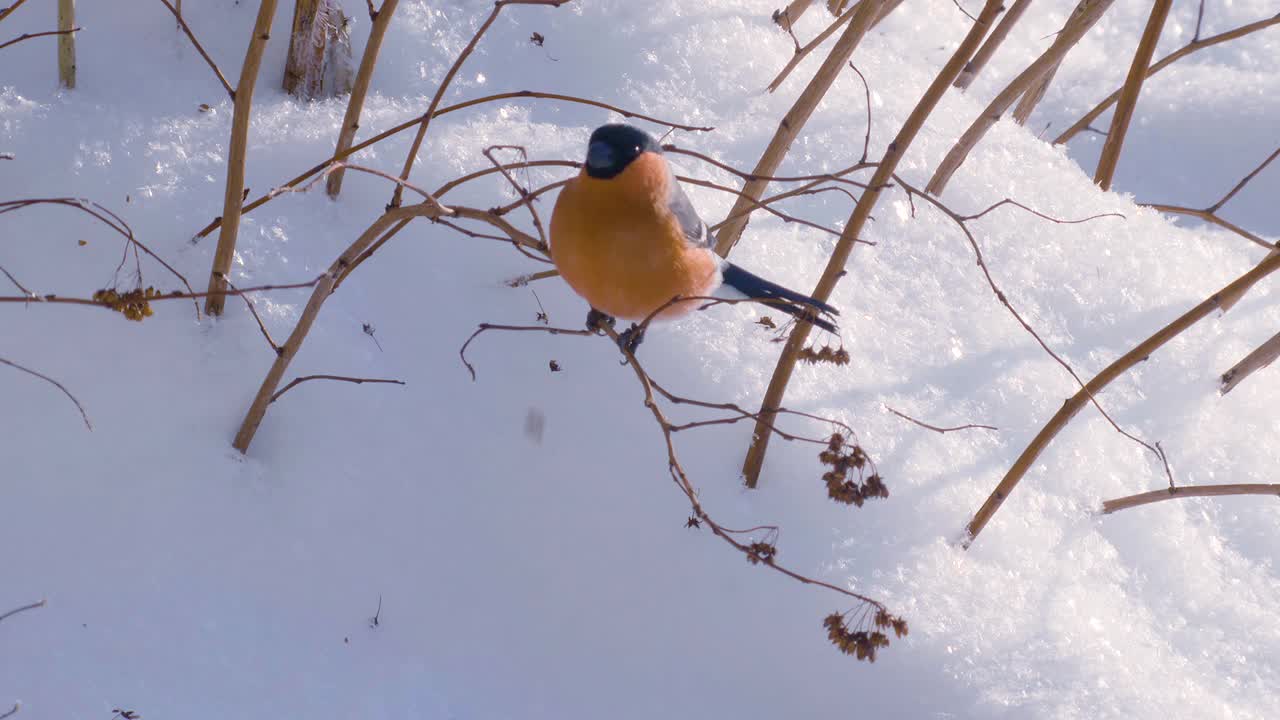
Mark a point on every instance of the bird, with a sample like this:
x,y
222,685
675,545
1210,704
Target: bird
x,y
627,239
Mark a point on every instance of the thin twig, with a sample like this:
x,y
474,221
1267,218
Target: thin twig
x,y
28,36
11,713
866,91
15,282
200,49
33,605
935,428
340,378
254,312
961,221
56,384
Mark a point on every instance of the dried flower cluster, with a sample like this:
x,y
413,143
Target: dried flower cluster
x,y
134,305
825,354
862,643
843,456
761,552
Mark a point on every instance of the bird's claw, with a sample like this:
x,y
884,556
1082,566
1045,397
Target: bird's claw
x,y
598,321
629,340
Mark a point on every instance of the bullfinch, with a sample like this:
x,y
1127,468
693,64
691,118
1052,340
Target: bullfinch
x,y
626,238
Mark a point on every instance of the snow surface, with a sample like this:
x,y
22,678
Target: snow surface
x,y
555,579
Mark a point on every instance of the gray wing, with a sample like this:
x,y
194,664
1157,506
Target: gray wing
x,y
694,229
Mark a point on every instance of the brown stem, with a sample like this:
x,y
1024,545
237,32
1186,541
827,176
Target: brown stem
x,y
1188,491
1191,47
1211,218
1072,406
67,43
234,194
9,10
425,121
1075,28
1128,101
200,49
793,122
1264,355
28,36
351,121
340,378
935,428
34,605
1243,181
980,59
853,228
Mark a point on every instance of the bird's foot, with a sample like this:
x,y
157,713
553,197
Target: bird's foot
x,y
598,321
629,340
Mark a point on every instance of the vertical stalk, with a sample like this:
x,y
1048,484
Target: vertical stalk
x,y
1129,95
1086,14
234,195
864,16
351,122
979,61
67,43
844,246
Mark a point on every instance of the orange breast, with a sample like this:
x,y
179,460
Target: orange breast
x,y
618,246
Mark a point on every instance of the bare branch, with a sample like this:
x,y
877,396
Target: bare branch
x,y
56,384
33,605
28,36
935,428
341,378
200,49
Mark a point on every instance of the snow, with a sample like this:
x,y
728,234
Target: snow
x,y
554,578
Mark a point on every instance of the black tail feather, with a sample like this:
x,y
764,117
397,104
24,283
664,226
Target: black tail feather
x,y
788,301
